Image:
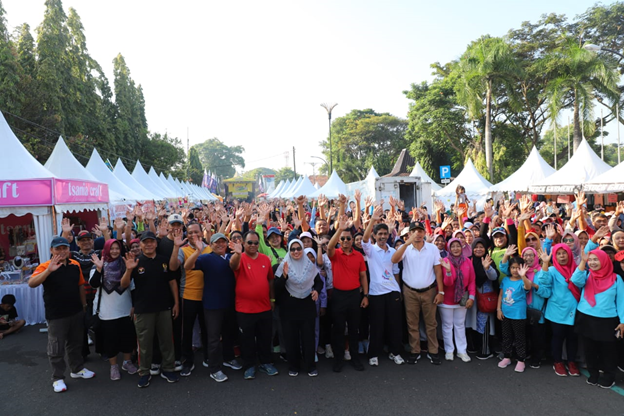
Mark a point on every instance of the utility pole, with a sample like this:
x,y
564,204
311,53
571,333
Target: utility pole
x,y
294,163
329,107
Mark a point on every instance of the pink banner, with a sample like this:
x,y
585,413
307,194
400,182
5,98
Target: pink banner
x,y
68,191
26,193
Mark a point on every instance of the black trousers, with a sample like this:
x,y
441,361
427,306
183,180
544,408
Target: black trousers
x,y
88,316
345,309
560,333
514,335
325,322
537,335
299,335
192,310
219,343
255,337
600,356
384,312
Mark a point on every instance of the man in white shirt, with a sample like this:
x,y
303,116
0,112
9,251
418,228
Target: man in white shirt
x,y
422,274
384,294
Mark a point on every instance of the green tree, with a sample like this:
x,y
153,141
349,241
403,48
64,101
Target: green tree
x,y
364,138
254,173
195,168
284,174
165,154
220,158
10,71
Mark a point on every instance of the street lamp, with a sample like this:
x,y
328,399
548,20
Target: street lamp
x,y
598,48
324,161
329,107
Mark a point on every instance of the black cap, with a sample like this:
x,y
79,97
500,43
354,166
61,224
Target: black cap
x,y
148,235
59,241
416,225
83,234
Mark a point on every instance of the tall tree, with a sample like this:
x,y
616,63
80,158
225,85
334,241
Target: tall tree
x,y
11,95
195,168
220,158
283,174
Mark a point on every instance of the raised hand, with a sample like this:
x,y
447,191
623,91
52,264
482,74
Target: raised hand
x,y
580,199
150,215
487,209
131,261
511,250
392,201
163,228
377,213
486,262
401,205
343,223
508,208
296,221
601,232
55,263
551,232
178,238
342,199
120,225
368,202
446,264
544,256
357,195
67,226
300,200
130,215
285,269
523,270
96,231
236,247
322,200
99,263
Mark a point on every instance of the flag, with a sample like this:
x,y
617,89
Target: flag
x,y
204,183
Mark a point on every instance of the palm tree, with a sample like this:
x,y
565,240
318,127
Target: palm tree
x,y
489,65
578,77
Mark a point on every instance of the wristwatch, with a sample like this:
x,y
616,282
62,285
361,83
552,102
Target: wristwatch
x,y
366,295
441,293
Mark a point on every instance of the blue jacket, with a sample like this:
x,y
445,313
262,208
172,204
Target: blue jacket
x,y
609,303
561,305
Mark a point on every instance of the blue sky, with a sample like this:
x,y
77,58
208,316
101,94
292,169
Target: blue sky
x,y
254,73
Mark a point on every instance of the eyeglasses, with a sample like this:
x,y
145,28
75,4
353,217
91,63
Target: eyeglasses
x,y
568,240
531,239
345,238
238,238
295,249
253,243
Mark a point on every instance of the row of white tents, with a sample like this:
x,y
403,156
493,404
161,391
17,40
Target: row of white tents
x,y
584,171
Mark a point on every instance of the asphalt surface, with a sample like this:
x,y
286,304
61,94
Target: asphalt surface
x,y
454,388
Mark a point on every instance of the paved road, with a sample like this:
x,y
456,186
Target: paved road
x,y
455,388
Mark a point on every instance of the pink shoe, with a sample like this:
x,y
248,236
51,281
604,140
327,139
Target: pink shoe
x,y
520,367
505,363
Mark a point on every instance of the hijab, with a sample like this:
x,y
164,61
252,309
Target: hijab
x,y
480,274
533,268
567,270
599,280
443,253
466,249
301,273
113,269
534,234
457,262
576,248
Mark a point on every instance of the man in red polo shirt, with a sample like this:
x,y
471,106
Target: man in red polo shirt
x,y
349,270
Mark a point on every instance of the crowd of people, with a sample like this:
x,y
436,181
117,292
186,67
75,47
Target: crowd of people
x,y
521,280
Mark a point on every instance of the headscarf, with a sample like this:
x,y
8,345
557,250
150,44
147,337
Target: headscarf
x,y
113,269
443,253
457,262
576,248
301,273
567,270
534,234
599,280
134,240
466,249
530,274
480,275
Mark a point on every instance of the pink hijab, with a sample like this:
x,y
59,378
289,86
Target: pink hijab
x,y
567,270
599,280
534,267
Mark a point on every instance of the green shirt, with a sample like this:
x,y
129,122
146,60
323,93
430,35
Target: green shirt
x,y
268,250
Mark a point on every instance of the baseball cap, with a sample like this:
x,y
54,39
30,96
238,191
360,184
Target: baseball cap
x,y
216,237
173,218
416,225
498,230
305,234
608,248
468,224
273,230
619,256
83,234
404,231
59,241
148,235
197,206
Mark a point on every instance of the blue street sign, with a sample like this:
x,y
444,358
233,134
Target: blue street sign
x,y
445,172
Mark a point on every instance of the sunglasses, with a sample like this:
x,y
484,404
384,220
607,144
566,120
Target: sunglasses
x,y
253,243
237,238
568,240
345,238
531,239
295,249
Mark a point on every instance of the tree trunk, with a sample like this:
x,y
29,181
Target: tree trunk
x,y
488,132
578,136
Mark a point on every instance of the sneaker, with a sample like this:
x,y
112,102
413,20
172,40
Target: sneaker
x,y
177,366
313,373
320,350
293,373
59,386
449,356
219,376
114,372
84,373
481,356
269,369
412,358
373,361
535,363
233,364
347,355
464,357
520,366
250,373
592,381
284,357
155,369
560,369
171,377
89,340
144,381
573,369
435,359
129,367
606,385
205,363
187,370
397,359
357,364
621,368
338,365
504,363
329,353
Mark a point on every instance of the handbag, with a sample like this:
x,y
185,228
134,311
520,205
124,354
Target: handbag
x,y
96,322
534,315
464,299
487,302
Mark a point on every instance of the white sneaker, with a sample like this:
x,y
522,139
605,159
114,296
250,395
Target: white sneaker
x,y
89,340
373,361
449,356
464,357
59,386
177,366
84,373
347,355
329,353
397,359
155,369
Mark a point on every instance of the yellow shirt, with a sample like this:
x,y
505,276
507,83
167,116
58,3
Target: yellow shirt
x,y
192,281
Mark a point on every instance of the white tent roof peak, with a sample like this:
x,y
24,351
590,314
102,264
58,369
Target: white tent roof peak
x,y
124,176
332,188
372,172
470,179
64,165
16,163
419,172
100,171
141,175
304,188
533,170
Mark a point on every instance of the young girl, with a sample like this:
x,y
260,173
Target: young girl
x,y
512,311
462,200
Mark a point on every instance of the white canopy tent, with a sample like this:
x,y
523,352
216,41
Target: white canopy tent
x,y
419,172
126,178
609,182
100,171
289,192
277,189
284,189
475,184
163,182
334,187
582,167
305,188
533,170
151,173
365,186
317,186
143,178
